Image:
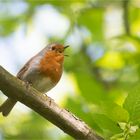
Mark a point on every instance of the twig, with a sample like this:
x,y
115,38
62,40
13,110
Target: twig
x,y
125,16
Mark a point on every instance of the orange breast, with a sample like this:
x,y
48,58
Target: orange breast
x,y
52,65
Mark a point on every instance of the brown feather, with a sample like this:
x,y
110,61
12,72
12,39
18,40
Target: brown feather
x,y
52,65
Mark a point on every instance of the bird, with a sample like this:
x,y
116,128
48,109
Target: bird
x,y
43,71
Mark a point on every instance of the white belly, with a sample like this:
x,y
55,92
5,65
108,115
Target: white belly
x,y
43,84
38,81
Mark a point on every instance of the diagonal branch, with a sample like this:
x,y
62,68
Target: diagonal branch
x,y
45,106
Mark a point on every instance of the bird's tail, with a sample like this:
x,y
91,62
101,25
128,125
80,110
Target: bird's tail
x,y
7,106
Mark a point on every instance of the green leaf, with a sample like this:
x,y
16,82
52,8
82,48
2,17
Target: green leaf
x,y
113,111
90,88
132,104
136,136
108,126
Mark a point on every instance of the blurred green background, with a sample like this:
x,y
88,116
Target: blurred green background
x,y
102,68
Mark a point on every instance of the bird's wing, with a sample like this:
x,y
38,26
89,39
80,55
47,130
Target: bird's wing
x,y
24,68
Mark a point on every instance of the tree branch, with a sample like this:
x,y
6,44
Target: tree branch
x,y
45,106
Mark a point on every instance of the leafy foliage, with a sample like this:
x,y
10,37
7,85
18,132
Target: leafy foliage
x,y
104,61
132,105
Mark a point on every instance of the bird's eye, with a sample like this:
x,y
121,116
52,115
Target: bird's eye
x,y
53,48
60,51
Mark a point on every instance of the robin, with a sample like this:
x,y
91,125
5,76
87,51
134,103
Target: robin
x,y
43,71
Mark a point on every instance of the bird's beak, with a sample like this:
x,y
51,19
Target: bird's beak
x,y
66,47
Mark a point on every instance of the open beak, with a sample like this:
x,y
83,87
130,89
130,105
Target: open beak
x,y
66,47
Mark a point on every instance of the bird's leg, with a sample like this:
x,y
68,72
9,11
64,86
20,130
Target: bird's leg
x,y
50,101
48,98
